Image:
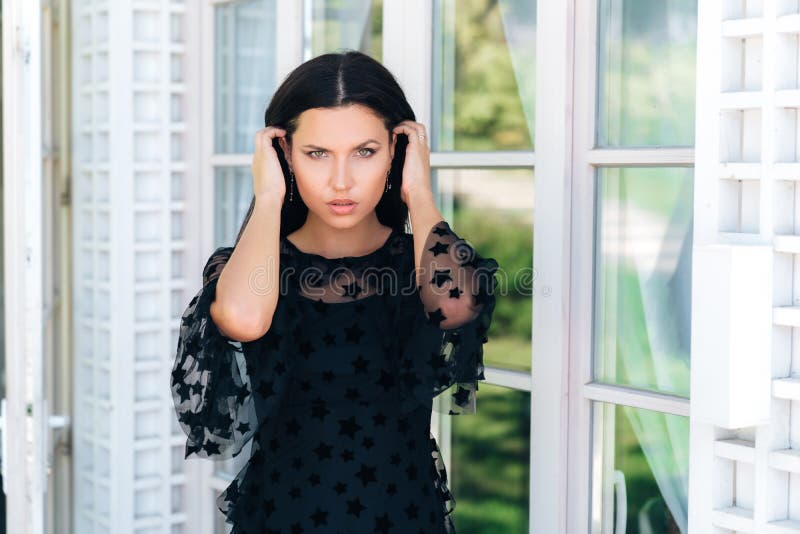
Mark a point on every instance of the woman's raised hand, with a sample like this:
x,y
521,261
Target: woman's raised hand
x,y
268,179
417,167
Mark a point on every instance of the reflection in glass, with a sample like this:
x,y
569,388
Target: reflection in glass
x,y
646,72
483,75
643,278
244,71
490,476
350,24
233,192
493,209
640,471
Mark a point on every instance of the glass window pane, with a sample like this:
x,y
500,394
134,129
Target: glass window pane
x,y
643,278
350,24
484,84
646,73
640,471
244,71
490,474
233,192
493,209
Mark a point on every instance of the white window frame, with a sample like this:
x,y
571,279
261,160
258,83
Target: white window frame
x,y
564,389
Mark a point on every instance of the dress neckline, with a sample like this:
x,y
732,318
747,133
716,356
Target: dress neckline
x,y
342,258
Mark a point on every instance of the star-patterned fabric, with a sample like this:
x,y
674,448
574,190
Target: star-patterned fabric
x,y
336,398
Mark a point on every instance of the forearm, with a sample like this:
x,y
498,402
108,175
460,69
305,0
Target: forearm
x,y
424,214
249,285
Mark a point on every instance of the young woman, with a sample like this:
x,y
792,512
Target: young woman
x,y
322,336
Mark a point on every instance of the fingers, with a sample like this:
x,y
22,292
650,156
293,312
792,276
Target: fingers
x,y
413,130
266,135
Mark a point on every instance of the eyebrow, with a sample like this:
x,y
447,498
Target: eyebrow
x,y
368,141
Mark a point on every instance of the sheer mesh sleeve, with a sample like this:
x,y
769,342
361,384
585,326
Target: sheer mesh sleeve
x,y
444,324
209,383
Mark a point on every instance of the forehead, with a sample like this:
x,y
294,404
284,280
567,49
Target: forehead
x,y
342,124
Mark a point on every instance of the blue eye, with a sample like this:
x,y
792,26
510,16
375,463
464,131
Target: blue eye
x,y
370,150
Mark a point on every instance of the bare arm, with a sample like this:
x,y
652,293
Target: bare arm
x,y
248,288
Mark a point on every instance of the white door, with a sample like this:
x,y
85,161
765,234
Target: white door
x,y
35,464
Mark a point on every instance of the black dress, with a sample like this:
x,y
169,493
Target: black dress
x,y
337,395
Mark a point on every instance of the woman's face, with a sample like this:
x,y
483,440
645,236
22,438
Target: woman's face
x,y
340,153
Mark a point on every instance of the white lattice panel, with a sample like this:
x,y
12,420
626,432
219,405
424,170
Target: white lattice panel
x,y
747,170
131,92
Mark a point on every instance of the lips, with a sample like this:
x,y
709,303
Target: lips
x,y
341,202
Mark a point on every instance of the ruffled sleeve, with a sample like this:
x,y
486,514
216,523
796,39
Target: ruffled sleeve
x,y
443,325
210,385
224,389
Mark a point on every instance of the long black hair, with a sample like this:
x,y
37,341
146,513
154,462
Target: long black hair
x,y
333,80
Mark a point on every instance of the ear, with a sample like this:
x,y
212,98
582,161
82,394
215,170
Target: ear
x,y
286,150
391,146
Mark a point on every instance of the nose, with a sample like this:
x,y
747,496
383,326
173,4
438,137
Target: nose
x,y
340,180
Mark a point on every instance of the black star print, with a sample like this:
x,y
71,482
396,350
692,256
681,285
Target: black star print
x,y
355,507
295,492
379,419
265,389
306,349
329,339
243,427
436,317
314,479
386,380
411,471
382,523
455,293
183,391
352,393
348,427
368,442
391,488
440,276
297,528
366,474
441,231
323,450
412,510
360,364
268,506
211,447
321,306
340,487
293,427
319,410
353,333
319,517
297,462
347,455
439,248
461,396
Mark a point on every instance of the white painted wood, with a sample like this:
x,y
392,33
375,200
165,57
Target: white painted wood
x,y
733,518
23,268
735,449
636,398
551,329
786,388
731,334
133,84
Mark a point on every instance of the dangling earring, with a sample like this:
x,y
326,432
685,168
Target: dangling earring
x,y
291,186
388,184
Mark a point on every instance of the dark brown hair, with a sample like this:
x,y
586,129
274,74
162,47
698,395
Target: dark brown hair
x,y
333,80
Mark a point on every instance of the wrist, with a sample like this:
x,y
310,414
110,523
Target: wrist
x,y
421,197
270,201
